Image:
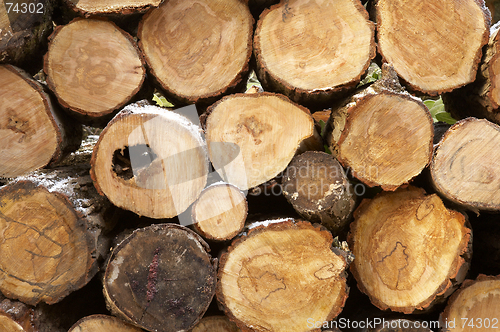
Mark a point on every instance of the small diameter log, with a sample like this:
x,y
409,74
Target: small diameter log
x,y
111,7
24,28
411,251
32,131
281,276
15,316
94,68
465,165
103,323
474,307
318,189
52,236
161,278
382,134
434,46
150,161
309,51
215,324
220,212
198,49
251,146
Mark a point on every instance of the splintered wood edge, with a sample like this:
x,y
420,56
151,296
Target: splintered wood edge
x,y
232,86
119,10
277,225
288,90
52,86
458,269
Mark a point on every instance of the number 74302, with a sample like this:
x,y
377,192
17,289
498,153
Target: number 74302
x,y
24,7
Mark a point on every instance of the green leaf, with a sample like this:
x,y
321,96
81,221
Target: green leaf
x,y
161,100
322,125
445,117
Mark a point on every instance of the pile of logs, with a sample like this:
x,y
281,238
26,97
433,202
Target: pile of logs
x,y
248,165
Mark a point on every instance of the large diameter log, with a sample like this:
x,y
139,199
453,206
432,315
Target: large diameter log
x,y
309,50
102,323
94,68
382,134
281,276
150,161
464,167
434,46
253,137
161,278
319,190
197,49
474,307
32,131
411,251
111,7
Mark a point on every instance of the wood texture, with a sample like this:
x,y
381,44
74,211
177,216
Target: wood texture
x,y
465,164
150,161
251,146
89,8
94,68
215,324
161,278
309,50
102,323
278,276
198,50
434,46
411,251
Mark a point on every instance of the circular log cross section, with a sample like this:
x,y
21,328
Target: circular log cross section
x,y
93,67
308,47
103,323
28,131
150,161
215,324
409,248
435,46
281,276
197,49
465,166
387,139
7,324
161,278
253,137
45,247
105,7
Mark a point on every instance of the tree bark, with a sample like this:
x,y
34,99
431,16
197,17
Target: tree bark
x,y
318,189
94,68
465,165
90,8
474,307
198,50
215,324
150,161
280,276
382,134
435,47
161,278
100,323
411,251
251,146
220,212
33,132
309,52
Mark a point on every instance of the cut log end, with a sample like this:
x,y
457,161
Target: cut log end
x,y
220,212
262,290
408,35
410,250
111,7
161,278
216,324
100,323
464,168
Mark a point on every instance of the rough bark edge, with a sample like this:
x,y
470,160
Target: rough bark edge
x,y
460,267
126,10
91,269
476,61
284,224
68,133
209,236
117,310
80,114
96,316
316,96
233,87
345,131
475,207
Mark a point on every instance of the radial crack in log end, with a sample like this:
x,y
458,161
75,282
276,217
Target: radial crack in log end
x,y
410,250
280,275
